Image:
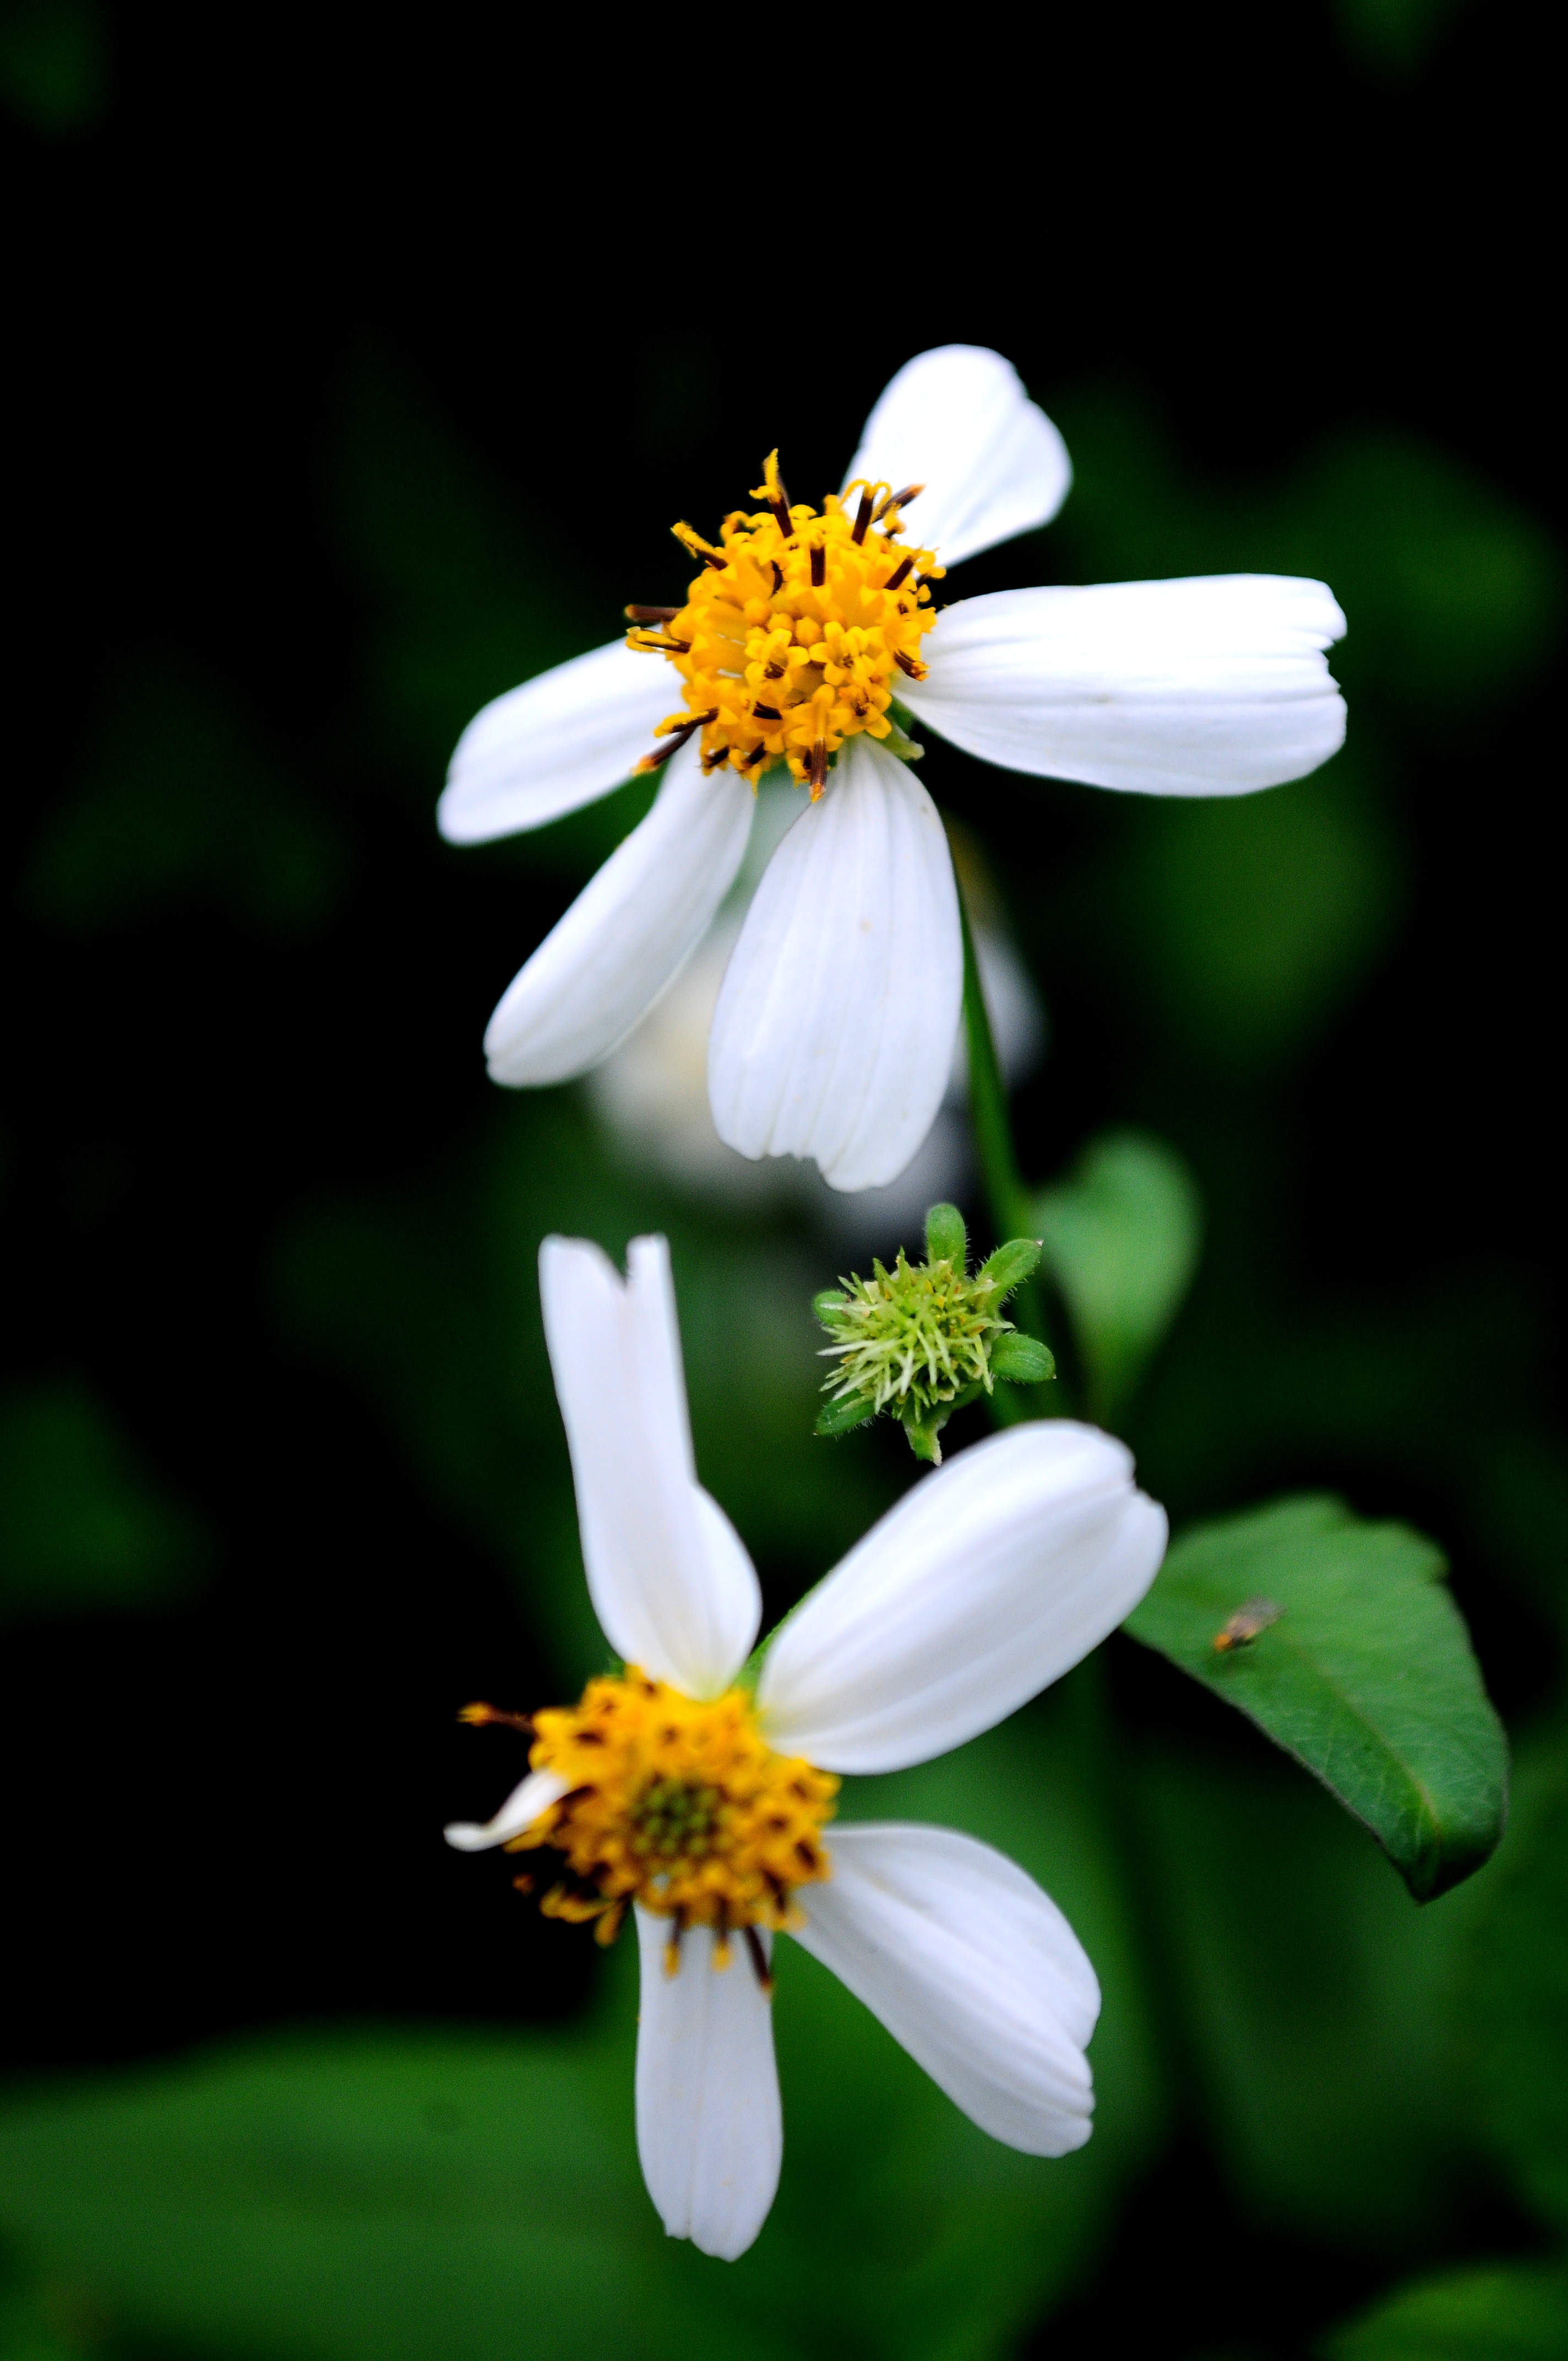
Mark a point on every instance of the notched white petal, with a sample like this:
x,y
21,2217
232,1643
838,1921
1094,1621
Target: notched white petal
x,y
628,933
1212,687
709,2131
989,1579
959,421
670,1580
971,1967
532,1796
833,1034
561,739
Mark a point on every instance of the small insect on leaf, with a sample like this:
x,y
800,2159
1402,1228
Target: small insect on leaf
x,y
1242,1629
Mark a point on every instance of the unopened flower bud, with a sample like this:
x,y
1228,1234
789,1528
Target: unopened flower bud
x,y
923,1339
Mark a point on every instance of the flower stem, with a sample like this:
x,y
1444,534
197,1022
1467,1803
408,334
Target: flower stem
x,y
1006,1195
1007,1198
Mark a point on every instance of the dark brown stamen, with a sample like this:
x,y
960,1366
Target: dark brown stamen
x,y
863,516
773,672
676,740
651,614
766,713
479,1717
908,664
778,576
819,565
898,499
900,574
816,774
760,1961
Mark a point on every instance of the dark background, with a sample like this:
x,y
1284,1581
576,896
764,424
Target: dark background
x,y
356,370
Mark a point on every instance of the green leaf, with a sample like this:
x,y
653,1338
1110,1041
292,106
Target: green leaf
x,y
1011,1265
1367,1675
1510,2312
1121,1243
1021,1360
380,2197
947,1240
826,1299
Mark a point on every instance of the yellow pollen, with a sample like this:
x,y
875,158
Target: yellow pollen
x,y
680,1806
795,630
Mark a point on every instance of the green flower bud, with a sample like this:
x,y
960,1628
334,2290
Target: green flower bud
x,y
921,1340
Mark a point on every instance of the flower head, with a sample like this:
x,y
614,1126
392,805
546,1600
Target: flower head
x,y
696,1786
796,631
800,633
924,1339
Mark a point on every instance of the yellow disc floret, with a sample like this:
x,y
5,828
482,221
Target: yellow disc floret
x,y
796,631
678,1804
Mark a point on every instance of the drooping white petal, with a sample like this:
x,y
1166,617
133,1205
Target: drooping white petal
x,y
971,1967
671,1582
628,933
559,740
522,1808
1212,686
834,1030
709,2132
959,421
987,1581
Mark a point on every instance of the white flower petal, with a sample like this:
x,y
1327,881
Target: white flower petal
x,y
971,1967
523,1807
959,421
1210,687
987,1581
671,1582
628,933
559,740
709,2130
834,1030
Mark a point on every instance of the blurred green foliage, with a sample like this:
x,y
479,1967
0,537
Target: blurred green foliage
x,y
1121,1241
1517,2314
83,1523
54,62
177,808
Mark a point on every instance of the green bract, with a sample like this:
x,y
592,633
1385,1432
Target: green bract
x,y
921,1340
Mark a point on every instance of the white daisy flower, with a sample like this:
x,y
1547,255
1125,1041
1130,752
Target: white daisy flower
x,y
680,1790
833,1029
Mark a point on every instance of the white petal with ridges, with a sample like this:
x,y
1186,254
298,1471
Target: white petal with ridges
x,y
528,1800
989,1579
959,421
564,737
833,1034
671,1583
709,2132
971,1967
1210,687
628,933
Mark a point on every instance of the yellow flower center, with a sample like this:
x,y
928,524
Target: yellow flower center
x,y
680,1806
795,632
